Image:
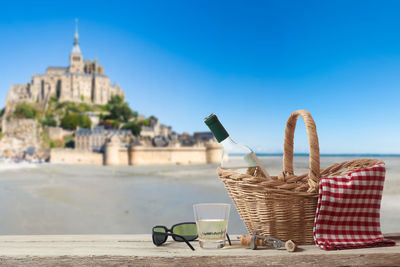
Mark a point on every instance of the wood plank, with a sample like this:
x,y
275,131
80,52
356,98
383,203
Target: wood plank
x,y
138,250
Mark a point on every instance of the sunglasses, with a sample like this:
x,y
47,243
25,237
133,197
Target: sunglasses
x,y
181,232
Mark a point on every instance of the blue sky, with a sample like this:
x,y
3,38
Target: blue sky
x,y
250,62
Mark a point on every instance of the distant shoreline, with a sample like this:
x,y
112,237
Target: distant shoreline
x,y
363,155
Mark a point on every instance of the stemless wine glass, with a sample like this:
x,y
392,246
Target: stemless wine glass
x,y
212,223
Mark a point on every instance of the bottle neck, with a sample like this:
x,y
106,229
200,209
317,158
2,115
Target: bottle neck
x,y
228,140
230,144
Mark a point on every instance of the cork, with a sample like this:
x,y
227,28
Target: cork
x,y
245,240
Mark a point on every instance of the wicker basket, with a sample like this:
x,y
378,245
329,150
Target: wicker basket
x,y
284,206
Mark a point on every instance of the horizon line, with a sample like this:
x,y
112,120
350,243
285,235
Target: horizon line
x,y
335,154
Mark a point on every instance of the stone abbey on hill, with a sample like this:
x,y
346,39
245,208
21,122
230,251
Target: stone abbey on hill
x,y
30,138
82,80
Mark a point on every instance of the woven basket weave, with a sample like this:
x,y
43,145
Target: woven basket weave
x,y
284,206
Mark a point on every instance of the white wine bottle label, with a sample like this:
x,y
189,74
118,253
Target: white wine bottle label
x,y
250,160
259,164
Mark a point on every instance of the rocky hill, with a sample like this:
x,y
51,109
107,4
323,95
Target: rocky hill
x,y
22,135
26,124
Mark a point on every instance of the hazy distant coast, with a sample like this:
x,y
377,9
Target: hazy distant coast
x,y
344,155
65,199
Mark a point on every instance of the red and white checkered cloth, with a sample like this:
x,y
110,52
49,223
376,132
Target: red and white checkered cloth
x,y
348,210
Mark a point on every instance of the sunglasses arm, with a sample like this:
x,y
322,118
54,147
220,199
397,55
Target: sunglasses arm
x,y
184,239
229,240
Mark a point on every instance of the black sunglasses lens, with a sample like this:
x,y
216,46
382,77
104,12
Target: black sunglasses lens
x,y
159,235
187,230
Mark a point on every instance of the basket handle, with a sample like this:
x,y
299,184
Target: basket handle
x,y
314,168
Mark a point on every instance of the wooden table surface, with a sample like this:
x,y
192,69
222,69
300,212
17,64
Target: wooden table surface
x,y
138,250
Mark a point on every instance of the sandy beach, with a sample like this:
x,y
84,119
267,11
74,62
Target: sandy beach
x,y
71,199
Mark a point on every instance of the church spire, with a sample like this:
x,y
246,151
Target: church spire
x,y
76,49
76,36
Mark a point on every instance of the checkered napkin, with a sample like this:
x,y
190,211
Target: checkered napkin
x,y
348,210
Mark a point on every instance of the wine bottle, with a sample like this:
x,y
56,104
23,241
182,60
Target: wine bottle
x,y
235,156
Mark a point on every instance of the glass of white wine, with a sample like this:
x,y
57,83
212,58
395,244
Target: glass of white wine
x,y
212,223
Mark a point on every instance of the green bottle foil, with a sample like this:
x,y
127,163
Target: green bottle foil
x,y
216,127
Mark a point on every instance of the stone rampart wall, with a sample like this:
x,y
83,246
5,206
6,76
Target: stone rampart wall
x,y
213,152
74,156
167,155
122,156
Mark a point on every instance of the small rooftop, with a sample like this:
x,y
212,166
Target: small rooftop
x,y
100,130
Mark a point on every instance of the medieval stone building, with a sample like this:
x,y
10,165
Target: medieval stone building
x,y
82,80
